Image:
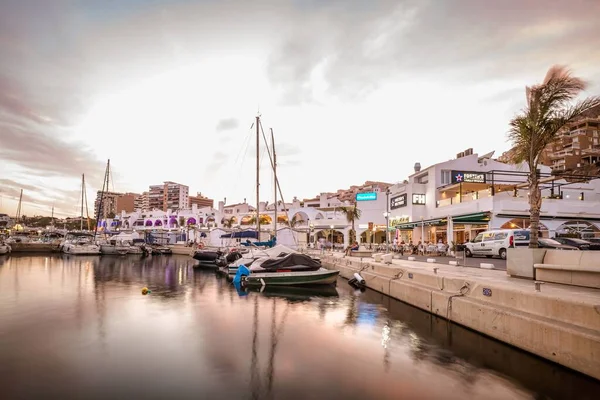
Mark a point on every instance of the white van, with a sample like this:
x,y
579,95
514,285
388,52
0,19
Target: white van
x,y
495,242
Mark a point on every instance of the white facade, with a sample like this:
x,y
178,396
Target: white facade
x,y
457,198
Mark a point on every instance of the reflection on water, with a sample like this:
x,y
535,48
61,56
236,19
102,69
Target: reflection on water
x,y
79,327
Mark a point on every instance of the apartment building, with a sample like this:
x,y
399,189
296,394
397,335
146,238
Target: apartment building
x,y
126,202
176,196
577,146
141,202
201,201
156,197
109,203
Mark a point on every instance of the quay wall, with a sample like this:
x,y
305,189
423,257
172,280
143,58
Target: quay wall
x,y
562,330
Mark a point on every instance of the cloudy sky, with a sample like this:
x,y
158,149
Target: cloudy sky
x,y
354,90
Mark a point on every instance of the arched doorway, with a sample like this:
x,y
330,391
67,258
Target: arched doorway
x,y
578,228
524,223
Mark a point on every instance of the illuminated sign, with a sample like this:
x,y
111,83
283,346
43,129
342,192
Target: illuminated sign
x,y
418,198
468,177
399,220
398,201
366,196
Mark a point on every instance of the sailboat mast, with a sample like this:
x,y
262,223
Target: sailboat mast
x,y
18,216
101,203
82,187
258,176
274,185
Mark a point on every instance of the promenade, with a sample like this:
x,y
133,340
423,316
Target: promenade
x,y
558,322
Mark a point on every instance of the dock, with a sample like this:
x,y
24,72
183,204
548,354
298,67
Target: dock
x,y
560,323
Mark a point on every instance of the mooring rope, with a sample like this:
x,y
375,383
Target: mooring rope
x,y
462,292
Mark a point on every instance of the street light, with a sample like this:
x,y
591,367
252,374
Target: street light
x,y
422,231
332,226
387,221
387,227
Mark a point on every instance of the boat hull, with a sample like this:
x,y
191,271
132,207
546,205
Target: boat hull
x,y
109,249
4,249
183,250
319,277
31,247
84,250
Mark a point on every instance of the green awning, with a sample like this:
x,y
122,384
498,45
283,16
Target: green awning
x,y
475,218
406,226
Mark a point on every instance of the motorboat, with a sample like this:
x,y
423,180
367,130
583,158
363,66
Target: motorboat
x,y
254,254
4,248
207,256
114,247
80,244
291,270
158,249
139,246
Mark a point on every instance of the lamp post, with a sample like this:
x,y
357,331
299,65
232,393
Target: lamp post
x,y
387,221
332,226
387,227
422,231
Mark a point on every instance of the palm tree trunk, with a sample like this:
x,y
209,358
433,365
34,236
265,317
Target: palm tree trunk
x,y
535,205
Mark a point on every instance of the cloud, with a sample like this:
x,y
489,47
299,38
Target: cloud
x,y
227,124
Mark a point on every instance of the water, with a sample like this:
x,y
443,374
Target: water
x,y
79,327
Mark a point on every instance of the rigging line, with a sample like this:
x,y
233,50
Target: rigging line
x,y
243,151
277,182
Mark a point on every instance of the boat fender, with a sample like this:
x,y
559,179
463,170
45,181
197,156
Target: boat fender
x,y
241,271
359,279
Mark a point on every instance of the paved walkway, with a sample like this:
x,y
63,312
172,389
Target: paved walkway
x,y
567,292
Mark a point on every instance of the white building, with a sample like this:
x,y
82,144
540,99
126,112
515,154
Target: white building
x,y
458,198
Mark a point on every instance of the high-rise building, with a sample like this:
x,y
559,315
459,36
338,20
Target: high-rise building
x,y
201,201
577,145
169,195
126,202
108,206
156,196
141,202
176,196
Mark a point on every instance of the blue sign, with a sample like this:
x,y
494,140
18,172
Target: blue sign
x,y
366,196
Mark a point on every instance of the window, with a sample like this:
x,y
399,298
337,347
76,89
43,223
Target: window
x,y
446,177
500,236
478,238
488,237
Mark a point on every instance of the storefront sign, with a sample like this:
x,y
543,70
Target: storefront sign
x,y
369,196
399,220
468,177
398,201
418,198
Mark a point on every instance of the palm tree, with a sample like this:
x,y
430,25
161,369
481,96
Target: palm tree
x,y
296,220
352,214
548,110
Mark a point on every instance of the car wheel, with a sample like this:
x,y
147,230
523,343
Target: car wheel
x,y
503,254
468,253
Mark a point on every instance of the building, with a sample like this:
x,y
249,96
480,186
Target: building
x,y
109,203
126,202
454,200
156,197
578,145
141,202
176,196
201,201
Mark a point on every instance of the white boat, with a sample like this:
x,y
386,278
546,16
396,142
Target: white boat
x,y
4,248
294,269
114,247
80,244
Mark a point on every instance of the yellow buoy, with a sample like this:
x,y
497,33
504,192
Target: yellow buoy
x,y
146,291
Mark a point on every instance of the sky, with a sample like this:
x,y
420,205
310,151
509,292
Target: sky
x,y
353,90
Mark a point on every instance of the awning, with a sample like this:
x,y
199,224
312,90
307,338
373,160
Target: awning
x,y
475,218
547,217
241,235
427,222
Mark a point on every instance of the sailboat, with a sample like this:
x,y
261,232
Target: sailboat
x,y
289,269
109,246
81,243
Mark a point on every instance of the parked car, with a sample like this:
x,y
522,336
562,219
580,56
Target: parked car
x,y
579,243
496,242
545,243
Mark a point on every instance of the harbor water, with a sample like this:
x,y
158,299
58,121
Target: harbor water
x,y
79,327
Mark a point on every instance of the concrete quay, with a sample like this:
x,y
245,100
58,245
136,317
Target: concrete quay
x,y
560,323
